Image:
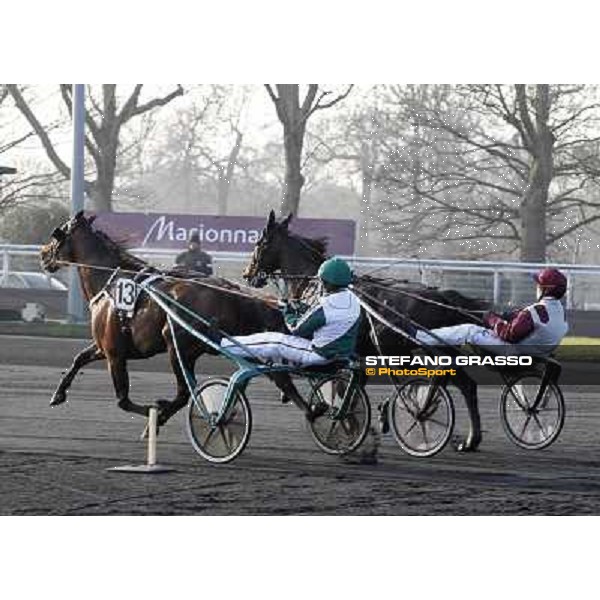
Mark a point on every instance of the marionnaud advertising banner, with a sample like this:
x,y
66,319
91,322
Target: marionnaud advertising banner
x,y
230,234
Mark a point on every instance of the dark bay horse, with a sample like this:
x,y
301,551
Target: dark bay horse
x,y
147,332
279,251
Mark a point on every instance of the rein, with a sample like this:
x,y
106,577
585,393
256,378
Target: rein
x,y
274,276
320,257
457,309
272,302
308,293
370,310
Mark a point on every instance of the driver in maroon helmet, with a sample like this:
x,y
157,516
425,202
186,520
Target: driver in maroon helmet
x,y
541,325
543,322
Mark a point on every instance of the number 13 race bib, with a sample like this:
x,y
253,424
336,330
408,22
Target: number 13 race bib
x,y
125,293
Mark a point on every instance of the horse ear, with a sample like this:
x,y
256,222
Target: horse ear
x,y
91,219
271,219
78,215
287,220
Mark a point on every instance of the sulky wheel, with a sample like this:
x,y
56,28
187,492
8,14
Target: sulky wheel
x,y
529,426
345,421
421,417
223,441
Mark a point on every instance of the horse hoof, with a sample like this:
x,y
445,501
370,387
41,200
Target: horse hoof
x,y
164,411
162,405
58,398
359,458
465,446
383,419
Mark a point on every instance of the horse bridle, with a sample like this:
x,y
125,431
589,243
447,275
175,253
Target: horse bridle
x,y
61,234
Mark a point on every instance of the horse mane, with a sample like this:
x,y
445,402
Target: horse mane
x,y
119,250
317,245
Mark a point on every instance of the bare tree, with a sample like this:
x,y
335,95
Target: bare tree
x,y
24,181
501,167
224,167
205,147
104,120
351,144
293,115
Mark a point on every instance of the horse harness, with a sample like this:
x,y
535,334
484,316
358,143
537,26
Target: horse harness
x,y
123,293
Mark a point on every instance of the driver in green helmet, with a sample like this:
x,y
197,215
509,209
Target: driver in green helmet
x,y
327,331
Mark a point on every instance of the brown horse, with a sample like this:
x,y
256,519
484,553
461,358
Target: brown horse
x,y
280,252
147,332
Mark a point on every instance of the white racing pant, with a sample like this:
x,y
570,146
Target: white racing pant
x,y
461,334
480,336
275,347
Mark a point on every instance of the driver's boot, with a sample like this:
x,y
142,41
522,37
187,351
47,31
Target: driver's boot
x,y
311,412
383,418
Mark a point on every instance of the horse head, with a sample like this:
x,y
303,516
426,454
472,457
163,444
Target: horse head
x,y
269,251
65,242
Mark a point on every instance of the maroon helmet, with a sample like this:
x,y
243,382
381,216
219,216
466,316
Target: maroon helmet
x,y
552,282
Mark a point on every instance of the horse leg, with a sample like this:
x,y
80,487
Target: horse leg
x,y
168,409
285,384
468,387
117,367
86,356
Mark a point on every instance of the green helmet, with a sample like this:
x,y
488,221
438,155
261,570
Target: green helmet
x,y
335,271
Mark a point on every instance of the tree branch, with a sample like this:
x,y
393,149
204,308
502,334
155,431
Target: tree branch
x,y
521,94
39,130
66,91
16,142
550,239
156,102
320,106
269,89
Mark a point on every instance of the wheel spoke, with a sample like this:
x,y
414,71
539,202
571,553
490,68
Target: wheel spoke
x,y
424,431
535,418
224,438
426,412
415,422
341,427
358,411
346,427
412,411
529,422
210,434
437,422
219,436
331,428
518,399
525,425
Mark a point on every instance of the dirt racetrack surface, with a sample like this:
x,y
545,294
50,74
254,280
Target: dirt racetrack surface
x,y
55,460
